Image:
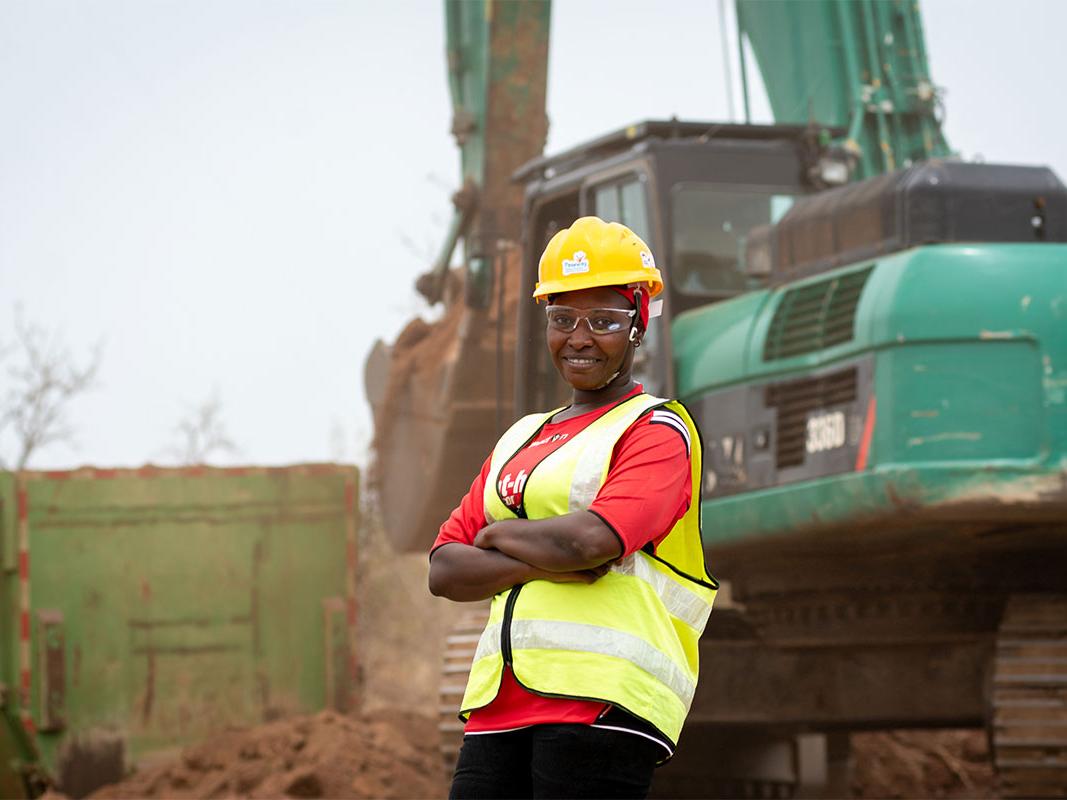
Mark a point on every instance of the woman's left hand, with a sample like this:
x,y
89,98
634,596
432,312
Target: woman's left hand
x,y
602,570
481,538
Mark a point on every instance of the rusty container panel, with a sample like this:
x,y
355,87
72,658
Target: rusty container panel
x,y
167,604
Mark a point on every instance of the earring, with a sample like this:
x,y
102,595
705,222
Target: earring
x,y
637,344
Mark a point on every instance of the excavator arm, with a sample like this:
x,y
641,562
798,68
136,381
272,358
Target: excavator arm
x,y
855,64
443,391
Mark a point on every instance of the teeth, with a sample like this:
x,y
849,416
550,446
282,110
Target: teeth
x,y
582,361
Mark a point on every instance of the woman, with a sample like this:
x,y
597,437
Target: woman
x,y
583,525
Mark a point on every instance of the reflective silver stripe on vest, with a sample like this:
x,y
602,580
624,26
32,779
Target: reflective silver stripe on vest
x,y
489,643
596,455
529,634
679,601
538,634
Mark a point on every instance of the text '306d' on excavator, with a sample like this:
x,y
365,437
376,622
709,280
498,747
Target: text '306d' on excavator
x,y
872,336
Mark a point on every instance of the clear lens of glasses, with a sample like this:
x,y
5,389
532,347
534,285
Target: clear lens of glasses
x,y
600,320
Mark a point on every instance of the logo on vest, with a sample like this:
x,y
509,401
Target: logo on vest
x,y
510,488
556,437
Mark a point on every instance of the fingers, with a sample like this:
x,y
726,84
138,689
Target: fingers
x,y
576,577
579,576
479,540
584,576
594,573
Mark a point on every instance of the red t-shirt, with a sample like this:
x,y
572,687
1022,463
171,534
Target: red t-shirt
x,y
646,491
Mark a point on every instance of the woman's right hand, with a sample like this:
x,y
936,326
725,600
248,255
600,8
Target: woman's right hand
x,y
577,576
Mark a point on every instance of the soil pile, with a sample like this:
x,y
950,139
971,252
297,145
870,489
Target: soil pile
x,y
899,764
394,755
387,754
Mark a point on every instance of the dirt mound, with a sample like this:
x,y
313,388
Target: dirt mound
x,y
393,754
387,754
899,764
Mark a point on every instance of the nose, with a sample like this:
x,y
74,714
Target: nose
x,y
582,336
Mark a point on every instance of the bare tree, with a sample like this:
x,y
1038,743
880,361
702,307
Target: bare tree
x,y
201,433
43,379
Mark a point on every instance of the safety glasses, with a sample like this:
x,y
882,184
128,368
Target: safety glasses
x,y
601,321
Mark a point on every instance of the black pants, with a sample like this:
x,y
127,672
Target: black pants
x,y
554,761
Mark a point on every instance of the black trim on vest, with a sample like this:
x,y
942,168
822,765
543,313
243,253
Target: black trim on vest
x,y
712,582
659,734
520,512
505,624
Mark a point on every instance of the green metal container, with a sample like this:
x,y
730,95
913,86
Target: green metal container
x,y
143,609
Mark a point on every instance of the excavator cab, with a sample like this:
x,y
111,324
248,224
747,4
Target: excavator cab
x,y
692,191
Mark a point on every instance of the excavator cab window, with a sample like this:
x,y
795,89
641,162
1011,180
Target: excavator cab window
x,y
710,228
625,200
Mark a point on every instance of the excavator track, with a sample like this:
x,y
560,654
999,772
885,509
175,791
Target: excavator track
x,y
1029,698
460,644
679,781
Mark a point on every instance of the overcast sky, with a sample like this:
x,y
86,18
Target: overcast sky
x,y
235,196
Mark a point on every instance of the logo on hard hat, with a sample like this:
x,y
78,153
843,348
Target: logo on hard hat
x,y
579,263
648,260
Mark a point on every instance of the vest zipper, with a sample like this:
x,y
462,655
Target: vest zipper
x,y
505,627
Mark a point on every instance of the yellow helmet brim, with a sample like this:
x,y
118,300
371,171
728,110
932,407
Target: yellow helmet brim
x,y
575,283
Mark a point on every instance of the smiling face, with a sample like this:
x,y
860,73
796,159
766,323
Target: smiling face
x,y
585,360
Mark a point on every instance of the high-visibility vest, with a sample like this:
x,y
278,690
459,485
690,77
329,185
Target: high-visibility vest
x,y
631,637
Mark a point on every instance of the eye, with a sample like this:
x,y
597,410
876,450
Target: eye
x,y
561,319
604,323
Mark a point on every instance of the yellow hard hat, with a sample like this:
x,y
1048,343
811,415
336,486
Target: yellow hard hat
x,y
591,253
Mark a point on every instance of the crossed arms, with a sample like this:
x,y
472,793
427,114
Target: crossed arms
x,y
572,548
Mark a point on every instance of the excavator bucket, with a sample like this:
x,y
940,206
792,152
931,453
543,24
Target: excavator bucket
x,y
441,395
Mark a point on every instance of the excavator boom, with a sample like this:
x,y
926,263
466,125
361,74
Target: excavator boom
x,y
855,64
442,392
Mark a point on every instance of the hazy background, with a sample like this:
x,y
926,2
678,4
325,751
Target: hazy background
x,y
234,197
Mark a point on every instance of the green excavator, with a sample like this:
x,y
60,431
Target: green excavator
x,y
872,336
